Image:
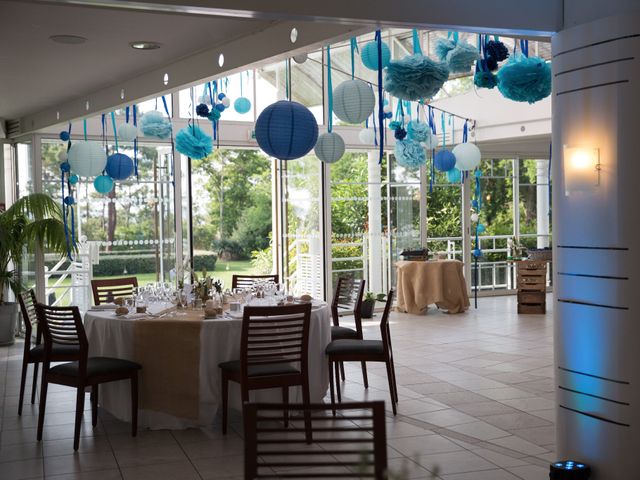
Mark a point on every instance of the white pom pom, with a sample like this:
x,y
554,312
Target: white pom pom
x,y
474,217
204,99
62,156
226,102
367,136
386,109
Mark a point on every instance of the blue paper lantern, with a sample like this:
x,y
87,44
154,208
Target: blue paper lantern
x,y
286,130
242,105
454,175
119,166
444,160
103,184
369,55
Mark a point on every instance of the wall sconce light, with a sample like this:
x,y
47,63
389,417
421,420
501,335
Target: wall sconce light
x,y
581,168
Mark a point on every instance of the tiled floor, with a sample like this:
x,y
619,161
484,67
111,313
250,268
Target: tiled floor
x,y
476,403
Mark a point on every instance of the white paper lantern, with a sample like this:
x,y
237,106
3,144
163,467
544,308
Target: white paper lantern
x,y
127,132
301,58
353,101
468,156
367,136
329,147
62,156
87,159
474,217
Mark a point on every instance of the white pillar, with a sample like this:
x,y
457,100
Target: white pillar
x,y
596,235
542,202
375,223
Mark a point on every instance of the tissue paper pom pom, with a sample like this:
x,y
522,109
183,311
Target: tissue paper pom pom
x,y
497,50
444,160
484,79
475,217
119,166
329,147
461,58
153,124
369,55
394,125
367,136
454,175
202,110
490,64
127,132
204,98
193,142
400,133
415,77
525,79
418,131
443,47
410,154
474,204
64,136
242,105
214,115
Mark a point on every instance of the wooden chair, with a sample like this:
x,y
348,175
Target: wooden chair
x,y
247,281
347,300
107,290
356,439
63,326
354,350
35,354
273,353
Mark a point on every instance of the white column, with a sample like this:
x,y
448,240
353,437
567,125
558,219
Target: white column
x,y
542,202
375,223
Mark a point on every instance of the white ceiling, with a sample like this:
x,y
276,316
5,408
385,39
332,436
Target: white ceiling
x,y
36,73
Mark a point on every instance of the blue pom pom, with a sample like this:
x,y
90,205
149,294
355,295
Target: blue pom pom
x,y
485,79
490,64
242,105
395,125
221,96
415,77
443,47
193,142
410,154
65,167
202,110
400,133
496,50
64,136
461,58
153,124
474,204
119,166
69,200
480,228
220,107
214,115
444,160
369,55
73,179
454,175
525,79
388,115
418,131
477,253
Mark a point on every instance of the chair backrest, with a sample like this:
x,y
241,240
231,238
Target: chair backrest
x,y
107,290
27,302
63,326
355,438
347,298
385,332
247,281
275,336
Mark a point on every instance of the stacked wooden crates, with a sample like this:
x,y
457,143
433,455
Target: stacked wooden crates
x,y
532,286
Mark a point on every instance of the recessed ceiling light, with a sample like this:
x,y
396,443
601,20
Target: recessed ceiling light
x,y
145,45
68,39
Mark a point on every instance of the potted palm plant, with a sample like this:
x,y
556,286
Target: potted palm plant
x,y
33,221
369,303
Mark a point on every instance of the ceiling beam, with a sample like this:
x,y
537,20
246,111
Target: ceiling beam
x,y
271,44
536,18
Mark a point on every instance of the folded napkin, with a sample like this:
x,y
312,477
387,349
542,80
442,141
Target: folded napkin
x,y
104,306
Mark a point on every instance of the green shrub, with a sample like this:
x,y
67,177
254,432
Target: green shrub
x,y
111,265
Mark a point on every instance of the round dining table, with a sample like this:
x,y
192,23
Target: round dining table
x,y
179,384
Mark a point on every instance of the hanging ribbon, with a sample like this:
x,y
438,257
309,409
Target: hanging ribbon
x,y
135,143
465,131
444,131
329,91
241,83
524,46
166,109
104,135
69,141
354,49
286,80
84,126
380,99
453,35
115,133
416,42
373,122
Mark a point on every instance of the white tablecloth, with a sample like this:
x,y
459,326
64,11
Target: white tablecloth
x,y
112,336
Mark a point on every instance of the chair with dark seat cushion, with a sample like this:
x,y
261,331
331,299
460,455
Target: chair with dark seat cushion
x,y
350,350
347,300
62,327
273,354
35,355
108,289
247,281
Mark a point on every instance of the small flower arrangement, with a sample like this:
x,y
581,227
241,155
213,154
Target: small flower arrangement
x,y
206,285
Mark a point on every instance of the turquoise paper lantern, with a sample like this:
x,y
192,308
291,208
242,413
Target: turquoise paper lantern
x,y
103,184
330,147
353,101
119,166
454,175
87,159
242,105
369,55
286,130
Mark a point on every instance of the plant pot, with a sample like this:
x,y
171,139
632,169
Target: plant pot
x,y
8,318
367,308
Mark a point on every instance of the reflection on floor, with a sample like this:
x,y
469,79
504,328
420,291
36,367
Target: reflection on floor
x,y
476,403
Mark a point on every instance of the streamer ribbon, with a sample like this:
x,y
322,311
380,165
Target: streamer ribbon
x,y
416,42
330,90
380,99
354,49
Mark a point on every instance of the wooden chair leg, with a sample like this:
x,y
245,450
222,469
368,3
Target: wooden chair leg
x,y
365,379
79,412
306,400
337,367
225,400
35,384
341,370
331,388
23,378
285,402
94,405
134,403
43,403
392,388
395,384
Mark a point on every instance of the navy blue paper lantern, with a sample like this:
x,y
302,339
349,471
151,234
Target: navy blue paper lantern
x,y
286,130
119,166
444,160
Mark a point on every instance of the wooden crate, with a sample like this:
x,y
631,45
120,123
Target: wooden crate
x,y
531,298
532,285
532,309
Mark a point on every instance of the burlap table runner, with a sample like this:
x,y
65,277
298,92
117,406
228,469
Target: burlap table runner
x,y
168,349
421,284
